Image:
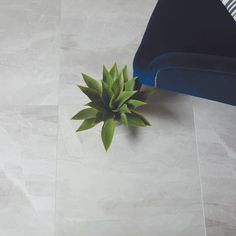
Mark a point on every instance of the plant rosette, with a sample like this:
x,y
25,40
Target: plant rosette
x,y
113,101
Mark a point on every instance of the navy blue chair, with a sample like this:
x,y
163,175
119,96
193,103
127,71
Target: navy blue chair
x,y
190,47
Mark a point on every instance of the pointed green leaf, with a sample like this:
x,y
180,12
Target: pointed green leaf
x,y
118,85
92,94
108,130
123,97
125,74
146,122
92,83
87,124
124,109
111,105
114,72
129,85
107,78
135,103
123,119
87,113
135,121
97,105
106,94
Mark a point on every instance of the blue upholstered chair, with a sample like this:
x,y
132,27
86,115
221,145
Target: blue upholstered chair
x,y
190,47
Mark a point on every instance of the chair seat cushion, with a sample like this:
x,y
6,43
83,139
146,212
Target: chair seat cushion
x,y
206,76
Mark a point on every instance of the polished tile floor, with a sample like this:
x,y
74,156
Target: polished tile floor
x,y
176,178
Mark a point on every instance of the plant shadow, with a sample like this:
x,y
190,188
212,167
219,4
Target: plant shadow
x,y
158,105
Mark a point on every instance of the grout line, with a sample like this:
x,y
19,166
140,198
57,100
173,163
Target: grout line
x,y
58,118
56,173
199,171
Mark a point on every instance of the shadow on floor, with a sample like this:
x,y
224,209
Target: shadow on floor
x,y
158,105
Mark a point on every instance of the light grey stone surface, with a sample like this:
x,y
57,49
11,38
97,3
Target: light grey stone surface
x,y
176,178
96,33
28,138
29,52
216,138
148,183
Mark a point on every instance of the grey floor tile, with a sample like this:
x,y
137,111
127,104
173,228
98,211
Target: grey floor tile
x,y
216,137
28,138
148,183
112,31
29,52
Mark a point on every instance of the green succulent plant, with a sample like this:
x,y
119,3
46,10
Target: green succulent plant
x,y
113,100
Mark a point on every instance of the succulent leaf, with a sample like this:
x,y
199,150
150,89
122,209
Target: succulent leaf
x,y
114,99
146,122
123,119
87,124
125,73
97,105
118,85
124,109
107,78
114,72
92,83
108,130
124,96
92,94
135,121
84,114
106,94
135,103
129,85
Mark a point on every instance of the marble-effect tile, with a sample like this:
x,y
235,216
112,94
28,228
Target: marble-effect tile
x,y
28,138
29,52
216,135
176,178
147,180
106,38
